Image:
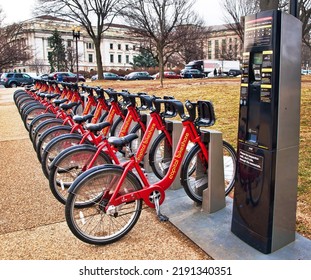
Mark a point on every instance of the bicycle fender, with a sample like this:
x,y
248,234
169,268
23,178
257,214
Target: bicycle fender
x,y
68,150
63,136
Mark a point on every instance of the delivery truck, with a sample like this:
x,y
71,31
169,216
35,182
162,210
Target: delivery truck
x,y
208,66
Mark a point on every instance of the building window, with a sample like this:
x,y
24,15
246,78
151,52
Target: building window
x,y
90,57
69,42
223,46
127,59
209,50
119,58
111,46
216,49
111,58
119,46
90,46
134,47
126,47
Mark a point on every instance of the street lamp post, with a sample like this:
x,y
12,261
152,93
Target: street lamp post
x,y
76,35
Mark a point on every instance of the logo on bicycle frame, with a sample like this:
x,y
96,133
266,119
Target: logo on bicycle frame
x,y
145,142
178,156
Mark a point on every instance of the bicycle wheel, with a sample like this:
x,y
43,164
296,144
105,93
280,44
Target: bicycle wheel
x,y
37,120
48,135
18,94
116,127
31,113
194,172
160,155
136,142
56,146
69,164
27,105
92,224
43,126
23,102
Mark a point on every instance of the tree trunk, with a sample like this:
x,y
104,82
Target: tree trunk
x,y
268,5
99,61
161,65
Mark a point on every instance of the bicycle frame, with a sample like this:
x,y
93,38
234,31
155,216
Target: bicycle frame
x,y
189,134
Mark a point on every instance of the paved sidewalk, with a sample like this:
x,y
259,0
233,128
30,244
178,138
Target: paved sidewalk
x,y
32,225
32,222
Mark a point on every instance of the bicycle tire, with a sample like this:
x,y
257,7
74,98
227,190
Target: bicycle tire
x,y
24,101
56,146
42,127
31,113
37,120
91,224
19,93
48,135
195,182
160,155
70,163
134,145
116,127
26,106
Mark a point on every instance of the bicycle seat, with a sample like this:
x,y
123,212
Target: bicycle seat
x,y
122,141
57,102
69,105
96,127
81,119
51,95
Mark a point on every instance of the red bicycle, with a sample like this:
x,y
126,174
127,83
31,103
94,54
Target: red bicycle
x,y
105,202
74,160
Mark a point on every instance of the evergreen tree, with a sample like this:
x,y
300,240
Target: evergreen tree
x,y
144,60
57,58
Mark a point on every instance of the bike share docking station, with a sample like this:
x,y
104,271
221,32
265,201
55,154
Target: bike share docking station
x,y
263,211
211,184
265,191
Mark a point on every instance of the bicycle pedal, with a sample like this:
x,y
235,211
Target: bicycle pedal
x,y
163,218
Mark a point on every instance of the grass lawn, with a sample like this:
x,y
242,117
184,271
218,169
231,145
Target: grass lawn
x,y
224,93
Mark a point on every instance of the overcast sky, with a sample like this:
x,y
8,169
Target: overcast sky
x,y
18,10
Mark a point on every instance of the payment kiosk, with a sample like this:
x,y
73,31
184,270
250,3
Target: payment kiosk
x,y
265,192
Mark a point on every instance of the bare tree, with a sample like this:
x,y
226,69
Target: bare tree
x,y
305,17
235,12
268,4
95,16
156,22
191,43
13,47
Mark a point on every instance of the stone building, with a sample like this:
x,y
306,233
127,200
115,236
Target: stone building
x,y
118,47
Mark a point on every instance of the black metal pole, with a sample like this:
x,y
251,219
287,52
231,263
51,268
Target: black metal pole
x,y
293,8
77,59
76,35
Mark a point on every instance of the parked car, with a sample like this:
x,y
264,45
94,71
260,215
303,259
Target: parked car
x,y
212,75
15,79
108,76
138,76
305,72
44,76
66,77
168,75
192,73
234,72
